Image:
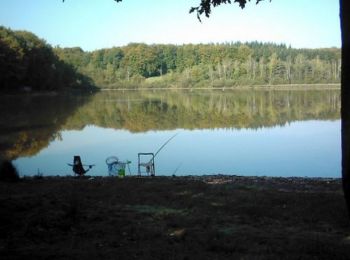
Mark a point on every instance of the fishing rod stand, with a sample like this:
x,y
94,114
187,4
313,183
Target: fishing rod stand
x,y
148,165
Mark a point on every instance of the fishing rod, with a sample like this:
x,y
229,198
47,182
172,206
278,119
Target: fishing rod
x,y
177,168
150,164
155,154
164,144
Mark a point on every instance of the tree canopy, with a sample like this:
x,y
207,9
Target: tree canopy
x,y
196,65
206,5
27,62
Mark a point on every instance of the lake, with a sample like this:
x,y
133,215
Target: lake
x,y
236,132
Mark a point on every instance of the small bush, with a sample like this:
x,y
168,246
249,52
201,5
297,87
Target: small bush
x,y
8,172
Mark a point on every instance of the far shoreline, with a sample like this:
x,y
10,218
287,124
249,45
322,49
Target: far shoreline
x,y
289,87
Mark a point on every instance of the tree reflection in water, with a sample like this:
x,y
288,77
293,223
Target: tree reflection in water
x,y
29,123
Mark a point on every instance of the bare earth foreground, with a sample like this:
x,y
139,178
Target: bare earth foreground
x,y
198,217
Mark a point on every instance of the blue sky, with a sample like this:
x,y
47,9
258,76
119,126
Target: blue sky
x,y
96,24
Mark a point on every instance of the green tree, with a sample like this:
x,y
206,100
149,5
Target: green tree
x,y
28,62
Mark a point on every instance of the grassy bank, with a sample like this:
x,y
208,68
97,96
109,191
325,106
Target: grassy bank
x,y
213,217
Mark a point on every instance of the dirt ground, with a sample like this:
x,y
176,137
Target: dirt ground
x,y
212,217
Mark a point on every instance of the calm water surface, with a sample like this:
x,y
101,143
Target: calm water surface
x,y
271,133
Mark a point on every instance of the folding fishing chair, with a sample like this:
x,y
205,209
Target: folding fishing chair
x,y
78,168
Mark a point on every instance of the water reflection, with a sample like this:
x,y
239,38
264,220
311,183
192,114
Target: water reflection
x,y
159,110
29,123
304,148
215,128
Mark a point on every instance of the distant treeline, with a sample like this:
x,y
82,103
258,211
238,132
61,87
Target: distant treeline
x,y
205,65
29,63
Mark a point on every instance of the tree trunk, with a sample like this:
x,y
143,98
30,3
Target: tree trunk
x,y
345,97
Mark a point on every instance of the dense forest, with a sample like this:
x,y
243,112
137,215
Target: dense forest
x,y
205,65
27,62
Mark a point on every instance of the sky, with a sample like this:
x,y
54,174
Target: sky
x,y
96,24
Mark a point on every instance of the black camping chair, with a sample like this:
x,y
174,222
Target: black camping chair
x,y
78,168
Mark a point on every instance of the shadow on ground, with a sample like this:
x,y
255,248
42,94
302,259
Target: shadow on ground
x,y
213,217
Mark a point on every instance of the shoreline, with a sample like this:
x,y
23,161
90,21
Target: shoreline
x,y
225,178
287,184
316,86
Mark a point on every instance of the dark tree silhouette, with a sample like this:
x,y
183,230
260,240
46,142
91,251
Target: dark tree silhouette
x,y
345,96
205,6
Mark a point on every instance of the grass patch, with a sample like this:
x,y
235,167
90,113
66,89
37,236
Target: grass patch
x,y
157,211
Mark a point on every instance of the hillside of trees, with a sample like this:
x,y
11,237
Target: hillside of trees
x,y
29,63
205,65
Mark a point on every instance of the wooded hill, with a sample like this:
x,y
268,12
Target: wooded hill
x,y
27,61
205,65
